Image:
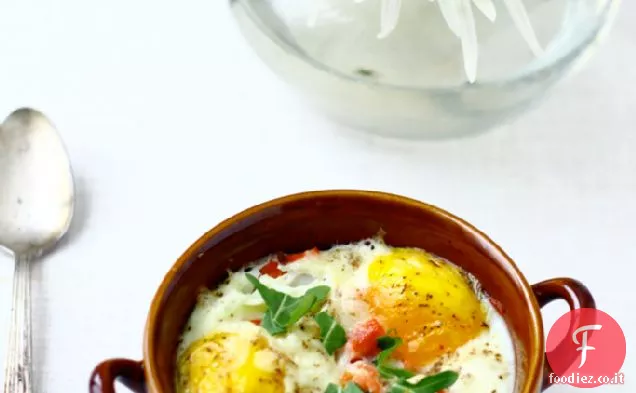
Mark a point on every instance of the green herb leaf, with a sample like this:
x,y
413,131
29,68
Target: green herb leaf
x,y
272,327
284,310
397,388
430,384
350,388
387,344
269,295
332,335
333,388
320,292
388,372
304,306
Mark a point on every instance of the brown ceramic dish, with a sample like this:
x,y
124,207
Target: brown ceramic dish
x,y
302,221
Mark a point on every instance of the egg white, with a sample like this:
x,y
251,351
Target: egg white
x,y
485,364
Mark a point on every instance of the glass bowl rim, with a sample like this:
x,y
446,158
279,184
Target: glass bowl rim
x,y
606,15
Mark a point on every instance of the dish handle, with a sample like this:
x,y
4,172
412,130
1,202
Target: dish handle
x,y
574,293
128,372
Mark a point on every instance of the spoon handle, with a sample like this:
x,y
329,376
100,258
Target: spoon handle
x,y
18,365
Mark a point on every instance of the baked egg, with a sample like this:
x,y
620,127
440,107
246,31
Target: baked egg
x,y
363,316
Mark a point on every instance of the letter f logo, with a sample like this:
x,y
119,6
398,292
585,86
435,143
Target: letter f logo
x,y
584,347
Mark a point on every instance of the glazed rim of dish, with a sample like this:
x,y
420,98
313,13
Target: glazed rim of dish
x,y
534,358
585,45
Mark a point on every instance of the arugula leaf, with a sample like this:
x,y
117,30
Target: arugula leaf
x,y
387,344
284,310
430,384
333,388
388,372
332,335
398,389
302,307
272,327
269,295
350,388
320,292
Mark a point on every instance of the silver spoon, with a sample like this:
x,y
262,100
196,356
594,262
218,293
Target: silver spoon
x,y
36,206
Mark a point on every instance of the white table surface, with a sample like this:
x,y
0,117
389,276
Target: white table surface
x,y
173,124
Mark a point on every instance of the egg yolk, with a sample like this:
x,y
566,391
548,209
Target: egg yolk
x,y
228,362
426,301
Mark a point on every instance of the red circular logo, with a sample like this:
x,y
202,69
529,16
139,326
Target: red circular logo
x,y
586,348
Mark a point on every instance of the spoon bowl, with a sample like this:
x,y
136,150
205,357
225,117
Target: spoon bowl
x,y
36,183
36,208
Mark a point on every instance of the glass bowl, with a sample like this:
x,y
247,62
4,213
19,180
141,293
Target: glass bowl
x,y
412,84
